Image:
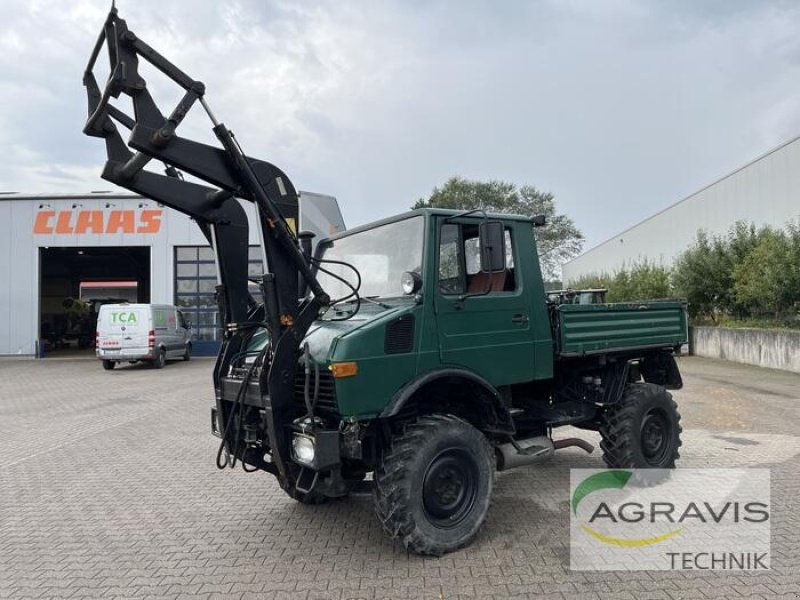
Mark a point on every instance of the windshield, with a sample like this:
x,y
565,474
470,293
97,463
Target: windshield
x,y
381,255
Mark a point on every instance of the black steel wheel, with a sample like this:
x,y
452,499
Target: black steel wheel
x,y
449,487
433,486
108,365
642,431
655,435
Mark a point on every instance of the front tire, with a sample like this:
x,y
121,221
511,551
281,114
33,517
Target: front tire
x,y
187,355
434,484
643,430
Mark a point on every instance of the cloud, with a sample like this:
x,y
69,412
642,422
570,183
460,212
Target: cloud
x,y
617,107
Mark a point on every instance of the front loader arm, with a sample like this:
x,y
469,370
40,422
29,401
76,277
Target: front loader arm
x,y
227,169
230,174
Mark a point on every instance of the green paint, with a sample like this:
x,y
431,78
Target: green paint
x,y
478,334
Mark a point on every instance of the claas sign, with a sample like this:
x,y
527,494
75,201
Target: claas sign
x,y
97,221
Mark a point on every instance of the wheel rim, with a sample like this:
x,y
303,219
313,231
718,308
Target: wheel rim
x,y
450,487
655,436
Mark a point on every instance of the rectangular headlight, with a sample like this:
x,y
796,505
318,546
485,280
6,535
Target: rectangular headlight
x,y
303,449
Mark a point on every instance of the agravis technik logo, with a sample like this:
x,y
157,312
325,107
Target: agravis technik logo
x,y
611,480
715,519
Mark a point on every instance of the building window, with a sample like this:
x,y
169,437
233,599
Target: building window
x,y
195,283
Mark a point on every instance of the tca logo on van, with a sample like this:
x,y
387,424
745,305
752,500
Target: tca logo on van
x,y
124,317
97,221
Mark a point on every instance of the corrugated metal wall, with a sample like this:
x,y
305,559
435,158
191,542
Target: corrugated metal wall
x,y
765,191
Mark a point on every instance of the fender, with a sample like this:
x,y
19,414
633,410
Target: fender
x,y
660,368
500,420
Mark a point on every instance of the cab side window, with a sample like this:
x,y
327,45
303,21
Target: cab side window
x,y
451,260
460,263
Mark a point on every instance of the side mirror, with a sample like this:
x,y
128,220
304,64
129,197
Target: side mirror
x,y
493,246
539,220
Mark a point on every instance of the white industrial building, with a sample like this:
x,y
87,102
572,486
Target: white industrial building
x,y
765,191
92,246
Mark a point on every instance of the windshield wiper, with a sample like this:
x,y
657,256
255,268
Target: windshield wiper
x,y
370,299
378,302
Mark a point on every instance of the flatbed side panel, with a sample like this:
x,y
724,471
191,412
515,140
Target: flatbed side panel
x,y
587,329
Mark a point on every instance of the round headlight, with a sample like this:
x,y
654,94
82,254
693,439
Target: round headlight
x,y
411,282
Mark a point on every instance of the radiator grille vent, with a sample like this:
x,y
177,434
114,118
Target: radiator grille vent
x,y
326,400
399,335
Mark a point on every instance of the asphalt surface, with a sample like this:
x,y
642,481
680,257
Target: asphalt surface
x,y
108,489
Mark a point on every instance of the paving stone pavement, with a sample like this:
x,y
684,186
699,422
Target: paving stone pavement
x,y
108,489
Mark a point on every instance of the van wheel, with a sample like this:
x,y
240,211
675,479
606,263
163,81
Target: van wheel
x,y
160,360
434,484
109,365
188,354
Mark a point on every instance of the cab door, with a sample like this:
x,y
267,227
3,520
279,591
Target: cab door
x,y
483,318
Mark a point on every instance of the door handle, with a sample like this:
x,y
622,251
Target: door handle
x,y
520,318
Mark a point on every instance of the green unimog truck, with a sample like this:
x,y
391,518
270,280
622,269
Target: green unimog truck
x,y
417,355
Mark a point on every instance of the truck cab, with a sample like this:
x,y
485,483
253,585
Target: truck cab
x,y
427,305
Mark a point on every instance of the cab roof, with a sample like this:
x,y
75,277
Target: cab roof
x,y
430,212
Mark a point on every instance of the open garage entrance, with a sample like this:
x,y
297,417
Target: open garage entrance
x,y
75,282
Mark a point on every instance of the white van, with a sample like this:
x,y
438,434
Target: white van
x,y
141,332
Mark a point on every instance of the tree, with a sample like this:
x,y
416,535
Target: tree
x,y
642,281
558,241
765,281
703,276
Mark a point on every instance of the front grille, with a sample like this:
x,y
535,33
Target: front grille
x,y
326,399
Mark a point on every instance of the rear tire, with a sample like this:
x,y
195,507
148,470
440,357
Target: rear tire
x,y
187,355
160,360
642,431
109,365
433,486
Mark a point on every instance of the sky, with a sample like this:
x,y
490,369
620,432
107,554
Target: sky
x,y
617,107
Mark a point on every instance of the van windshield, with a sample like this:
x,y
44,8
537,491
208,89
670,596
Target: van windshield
x,y
381,255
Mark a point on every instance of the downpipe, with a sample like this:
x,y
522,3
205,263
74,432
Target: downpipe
x,y
519,453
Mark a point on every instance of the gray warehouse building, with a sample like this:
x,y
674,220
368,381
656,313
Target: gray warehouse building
x,y
97,246
766,191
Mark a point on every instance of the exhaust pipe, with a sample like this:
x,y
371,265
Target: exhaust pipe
x,y
525,452
566,443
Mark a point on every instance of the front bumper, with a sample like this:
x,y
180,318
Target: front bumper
x,y
325,444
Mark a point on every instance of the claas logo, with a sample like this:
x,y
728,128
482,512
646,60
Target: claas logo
x,y
97,221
